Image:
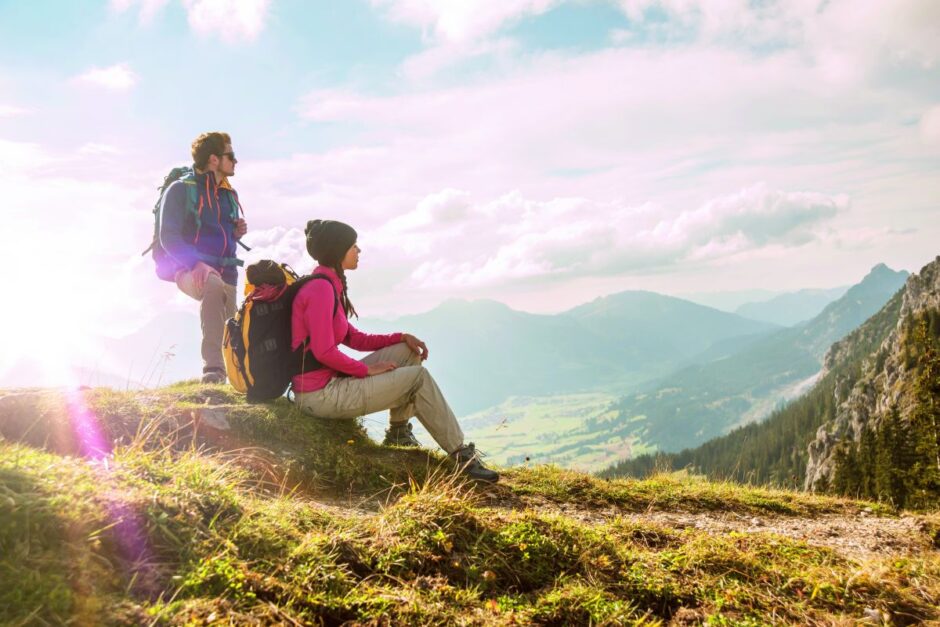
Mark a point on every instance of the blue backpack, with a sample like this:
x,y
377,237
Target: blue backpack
x,y
166,266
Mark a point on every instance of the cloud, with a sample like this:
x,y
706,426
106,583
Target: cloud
x,y
930,126
435,213
119,77
512,238
846,39
148,8
432,61
96,148
285,245
9,111
606,123
232,20
461,21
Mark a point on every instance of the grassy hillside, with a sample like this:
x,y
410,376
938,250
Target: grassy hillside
x,y
187,506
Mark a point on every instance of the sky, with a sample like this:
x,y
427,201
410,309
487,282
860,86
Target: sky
x,y
536,152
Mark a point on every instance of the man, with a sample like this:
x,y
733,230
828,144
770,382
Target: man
x,y
200,224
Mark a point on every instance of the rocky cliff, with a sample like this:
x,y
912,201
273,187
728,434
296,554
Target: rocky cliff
x,y
873,369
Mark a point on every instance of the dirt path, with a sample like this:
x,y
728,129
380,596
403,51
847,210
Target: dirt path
x,y
857,537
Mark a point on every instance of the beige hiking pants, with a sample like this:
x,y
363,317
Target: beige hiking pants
x,y
217,304
407,391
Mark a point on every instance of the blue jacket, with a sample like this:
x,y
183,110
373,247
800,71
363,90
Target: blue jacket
x,y
202,230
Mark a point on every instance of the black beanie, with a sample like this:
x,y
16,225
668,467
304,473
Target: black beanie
x,y
329,240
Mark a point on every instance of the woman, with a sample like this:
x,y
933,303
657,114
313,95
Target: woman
x,y
391,377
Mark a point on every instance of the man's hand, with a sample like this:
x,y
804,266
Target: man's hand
x,y
381,367
419,347
241,227
200,273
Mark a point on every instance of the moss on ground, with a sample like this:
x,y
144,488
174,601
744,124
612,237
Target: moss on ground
x,y
180,526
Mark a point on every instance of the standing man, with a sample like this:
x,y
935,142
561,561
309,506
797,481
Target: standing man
x,y
200,224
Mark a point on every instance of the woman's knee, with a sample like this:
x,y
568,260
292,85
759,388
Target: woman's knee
x,y
404,356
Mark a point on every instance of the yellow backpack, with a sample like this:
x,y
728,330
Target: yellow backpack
x,y
256,344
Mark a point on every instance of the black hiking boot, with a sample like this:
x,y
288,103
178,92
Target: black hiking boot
x,y
400,435
213,375
469,462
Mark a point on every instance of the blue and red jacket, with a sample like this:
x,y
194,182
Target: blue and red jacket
x,y
197,223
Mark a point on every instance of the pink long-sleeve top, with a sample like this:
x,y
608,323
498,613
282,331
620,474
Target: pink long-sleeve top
x,y
312,316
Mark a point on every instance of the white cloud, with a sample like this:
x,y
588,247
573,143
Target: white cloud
x,y
846,39
119,77
9,111
930,126
513,238
148,8
96,148
231,20
619,120
21,157
432,61
285,245
461,21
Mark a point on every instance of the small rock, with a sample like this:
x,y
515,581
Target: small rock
x,y
871,615
214,418
755,522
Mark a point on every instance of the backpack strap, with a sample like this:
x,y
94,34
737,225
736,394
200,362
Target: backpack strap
x,y
192,200
310,277
237,206
192,206
303,349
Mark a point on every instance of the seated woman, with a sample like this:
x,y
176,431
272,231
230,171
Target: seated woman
x,y
391,377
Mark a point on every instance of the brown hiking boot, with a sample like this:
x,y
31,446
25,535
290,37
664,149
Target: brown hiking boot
x,y
468,460
400,435
213,375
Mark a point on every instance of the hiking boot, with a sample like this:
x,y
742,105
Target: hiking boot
x,y
400,435
213,375
468,460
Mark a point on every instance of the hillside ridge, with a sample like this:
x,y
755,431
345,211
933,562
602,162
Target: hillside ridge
x,y
186,505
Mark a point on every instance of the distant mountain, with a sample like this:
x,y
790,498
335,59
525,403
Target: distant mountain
x,y
648,326
791,308
729,300
867,427
710,398
483,352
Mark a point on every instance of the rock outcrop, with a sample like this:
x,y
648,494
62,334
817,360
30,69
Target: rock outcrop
x,y
874,375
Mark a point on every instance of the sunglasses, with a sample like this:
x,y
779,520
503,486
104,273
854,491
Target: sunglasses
x,y
230,155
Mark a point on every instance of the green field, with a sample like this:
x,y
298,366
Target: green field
x,y
551,429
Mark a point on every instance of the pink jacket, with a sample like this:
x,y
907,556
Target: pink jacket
x,y
313,309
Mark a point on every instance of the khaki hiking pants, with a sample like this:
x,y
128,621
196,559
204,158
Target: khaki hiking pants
x,y
217,304
407,391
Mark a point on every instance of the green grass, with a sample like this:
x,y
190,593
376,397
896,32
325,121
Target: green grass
x,y
226,533
552,429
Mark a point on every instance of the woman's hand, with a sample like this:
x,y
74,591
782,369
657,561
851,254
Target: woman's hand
x,y
381,367
419,347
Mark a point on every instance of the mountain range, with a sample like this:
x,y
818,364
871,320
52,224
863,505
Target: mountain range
x,y
705,400
482,352
791,308
872,375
